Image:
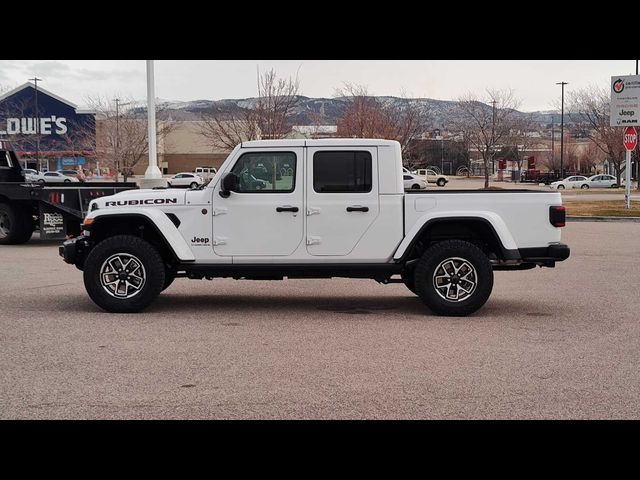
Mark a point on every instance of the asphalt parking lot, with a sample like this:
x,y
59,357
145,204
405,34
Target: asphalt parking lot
x,y
550,343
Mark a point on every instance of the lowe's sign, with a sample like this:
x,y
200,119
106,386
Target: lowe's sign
x,y
28,126
59,125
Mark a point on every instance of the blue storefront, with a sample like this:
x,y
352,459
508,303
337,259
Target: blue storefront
x,y
48,132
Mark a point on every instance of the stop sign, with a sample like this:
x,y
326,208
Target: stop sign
x,y
630,138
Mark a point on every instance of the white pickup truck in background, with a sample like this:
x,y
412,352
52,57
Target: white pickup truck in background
x,y
315,209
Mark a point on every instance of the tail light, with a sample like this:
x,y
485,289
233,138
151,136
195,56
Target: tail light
x,y
557,216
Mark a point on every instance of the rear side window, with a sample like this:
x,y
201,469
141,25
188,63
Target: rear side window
x,y
342,172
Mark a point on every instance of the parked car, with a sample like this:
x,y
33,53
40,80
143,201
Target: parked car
x,y
575,181
31,175
414,182
69,173
432,177
54,177
602,181
186,179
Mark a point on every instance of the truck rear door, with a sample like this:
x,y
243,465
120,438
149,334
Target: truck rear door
x,y
342,197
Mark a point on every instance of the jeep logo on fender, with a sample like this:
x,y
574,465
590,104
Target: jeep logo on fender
x,y
200,241
148,201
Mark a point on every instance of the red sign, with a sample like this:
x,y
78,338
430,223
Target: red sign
x,y
630,138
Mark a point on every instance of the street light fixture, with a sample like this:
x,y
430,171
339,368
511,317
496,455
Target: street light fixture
x,y
562,131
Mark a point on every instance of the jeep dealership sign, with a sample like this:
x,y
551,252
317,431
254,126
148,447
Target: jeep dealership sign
x,y
625,101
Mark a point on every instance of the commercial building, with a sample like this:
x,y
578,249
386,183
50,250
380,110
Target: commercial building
x,y
47,131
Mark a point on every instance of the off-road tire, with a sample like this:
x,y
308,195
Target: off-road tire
x,y
130,245
429,263
20,224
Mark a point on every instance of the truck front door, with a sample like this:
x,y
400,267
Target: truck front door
x,y
342,197
266,215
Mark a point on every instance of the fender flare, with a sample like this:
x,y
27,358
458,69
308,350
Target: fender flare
x,y
493,220
163,225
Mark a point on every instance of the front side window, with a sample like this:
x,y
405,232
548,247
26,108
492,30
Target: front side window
x,y
342,172
408,177
266,172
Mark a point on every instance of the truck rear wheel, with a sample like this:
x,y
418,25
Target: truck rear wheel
x,y
454,278
124,274
16,224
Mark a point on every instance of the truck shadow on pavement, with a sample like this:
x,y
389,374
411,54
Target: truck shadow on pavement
x,y
390,307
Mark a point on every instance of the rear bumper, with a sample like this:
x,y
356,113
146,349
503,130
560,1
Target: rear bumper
x,y
545,256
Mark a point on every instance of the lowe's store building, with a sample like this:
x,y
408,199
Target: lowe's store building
x,y
47,132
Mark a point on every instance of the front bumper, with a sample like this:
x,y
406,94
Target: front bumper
x,y
75,250
546,256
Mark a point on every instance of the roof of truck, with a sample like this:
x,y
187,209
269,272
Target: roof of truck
x,y
324,142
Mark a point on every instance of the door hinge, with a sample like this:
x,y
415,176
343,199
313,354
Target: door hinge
x,y
312,211
313,240
220,211
219,241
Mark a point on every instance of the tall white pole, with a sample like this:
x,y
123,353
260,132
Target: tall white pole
x,y
152,172
627,181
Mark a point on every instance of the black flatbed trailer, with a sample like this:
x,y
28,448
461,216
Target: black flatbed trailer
x,y
57,209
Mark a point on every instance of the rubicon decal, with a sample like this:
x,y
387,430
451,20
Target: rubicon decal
x,y
618,86
147,201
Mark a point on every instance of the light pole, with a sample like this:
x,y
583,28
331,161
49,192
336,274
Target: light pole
x,y
153,173
35,81
562,130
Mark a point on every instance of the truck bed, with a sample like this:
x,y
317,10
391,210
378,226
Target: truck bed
x,y
524,213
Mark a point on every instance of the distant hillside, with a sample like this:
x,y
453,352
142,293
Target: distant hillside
x,y
327,111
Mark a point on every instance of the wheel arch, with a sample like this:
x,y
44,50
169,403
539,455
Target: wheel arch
x,y
487,228
156,227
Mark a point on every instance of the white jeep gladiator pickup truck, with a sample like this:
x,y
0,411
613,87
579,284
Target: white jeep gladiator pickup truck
x,y
315,209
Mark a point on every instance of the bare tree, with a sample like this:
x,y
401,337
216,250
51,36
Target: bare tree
x,y
589,109
270,116
122,141
368,117
520,139
486,126
365,117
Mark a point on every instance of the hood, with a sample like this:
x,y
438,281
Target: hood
x,y
141,198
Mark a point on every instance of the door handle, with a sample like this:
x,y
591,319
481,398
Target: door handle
x,y
287,208
357,208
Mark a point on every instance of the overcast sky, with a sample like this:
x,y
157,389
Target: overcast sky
x,y
533,81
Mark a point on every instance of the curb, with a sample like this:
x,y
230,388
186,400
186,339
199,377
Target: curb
x,y
573,218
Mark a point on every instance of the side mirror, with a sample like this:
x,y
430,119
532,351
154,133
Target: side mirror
x,y
229,184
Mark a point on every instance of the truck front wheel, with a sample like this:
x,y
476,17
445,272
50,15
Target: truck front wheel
x,y
16,224
124,274
454,278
